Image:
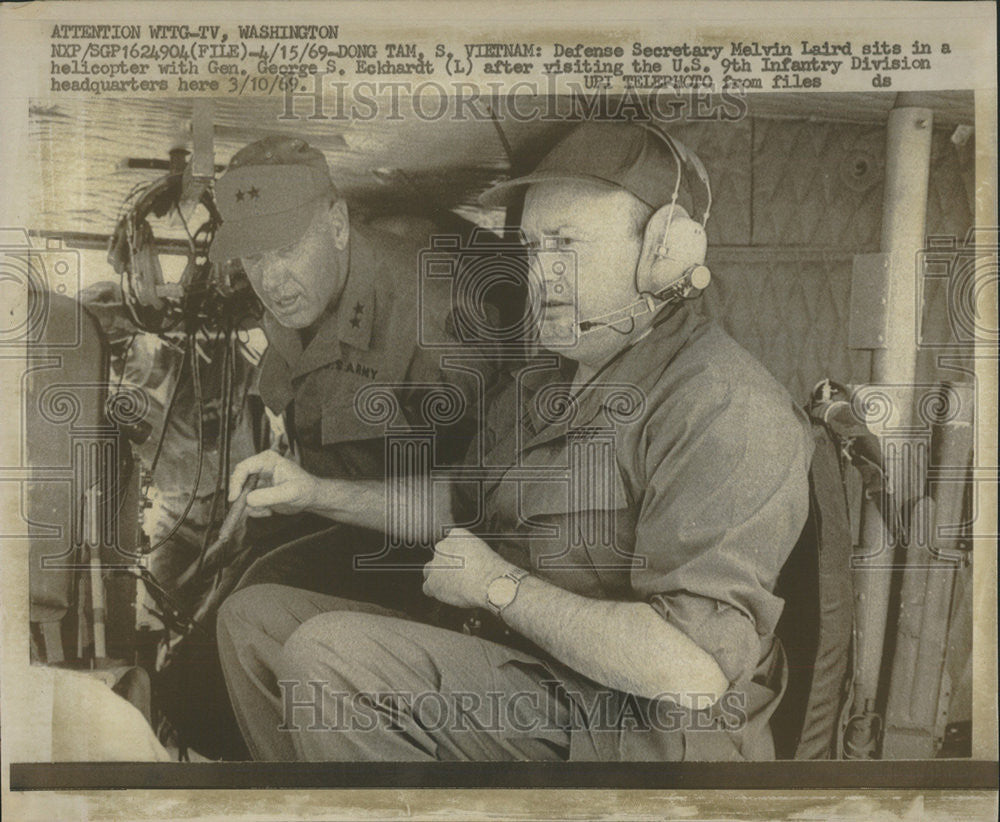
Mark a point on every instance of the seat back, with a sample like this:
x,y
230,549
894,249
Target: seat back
x,y
63,403
72,444
817,621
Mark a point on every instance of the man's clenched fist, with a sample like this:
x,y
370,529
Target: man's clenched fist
x,y
462,569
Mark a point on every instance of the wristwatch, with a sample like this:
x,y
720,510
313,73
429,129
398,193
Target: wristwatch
x,y
502,591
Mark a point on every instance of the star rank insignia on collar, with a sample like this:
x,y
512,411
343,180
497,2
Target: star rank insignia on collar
x,y
356,313
359,309
253,193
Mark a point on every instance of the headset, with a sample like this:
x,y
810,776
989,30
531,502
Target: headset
x,y
677,271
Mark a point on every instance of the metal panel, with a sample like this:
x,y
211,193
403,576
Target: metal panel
x,y
869,319
951,194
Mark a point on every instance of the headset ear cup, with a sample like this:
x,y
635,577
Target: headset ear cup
x,y
682,248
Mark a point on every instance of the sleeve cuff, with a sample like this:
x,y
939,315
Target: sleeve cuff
x,y
719,629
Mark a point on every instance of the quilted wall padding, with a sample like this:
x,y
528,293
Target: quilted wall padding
x,y
812,200
789,309
817,184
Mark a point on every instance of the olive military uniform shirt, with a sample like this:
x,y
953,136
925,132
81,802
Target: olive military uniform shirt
x,y
372,337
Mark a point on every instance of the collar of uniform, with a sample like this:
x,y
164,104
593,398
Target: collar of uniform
x,y
274,383
544,369
639,366
283,341
356,311
349,323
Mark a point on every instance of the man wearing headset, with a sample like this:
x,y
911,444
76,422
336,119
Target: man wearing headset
x,y
645,481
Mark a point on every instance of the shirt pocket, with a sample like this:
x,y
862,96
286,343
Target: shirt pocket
x,y
580,520
344,421
361,399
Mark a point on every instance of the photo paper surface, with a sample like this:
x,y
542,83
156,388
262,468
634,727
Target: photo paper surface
x,y
440,412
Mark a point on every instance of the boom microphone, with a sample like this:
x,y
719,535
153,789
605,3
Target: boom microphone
x,y
695,280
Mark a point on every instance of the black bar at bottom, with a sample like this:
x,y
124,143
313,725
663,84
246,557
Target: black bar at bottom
x,y
929,774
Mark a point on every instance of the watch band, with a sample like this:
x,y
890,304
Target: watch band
x,y
515,575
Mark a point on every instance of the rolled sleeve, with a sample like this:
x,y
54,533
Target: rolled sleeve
x,y
720,630
726,499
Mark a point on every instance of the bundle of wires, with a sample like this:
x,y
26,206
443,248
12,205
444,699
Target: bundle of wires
x,y
205,308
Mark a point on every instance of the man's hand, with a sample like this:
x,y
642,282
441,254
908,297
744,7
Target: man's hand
x,y
284,486
462,569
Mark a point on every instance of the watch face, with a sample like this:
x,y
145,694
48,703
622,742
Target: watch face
x,y
501,592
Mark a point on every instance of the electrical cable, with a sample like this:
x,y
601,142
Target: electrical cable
x,y
225,446
168,411
224,411
203,304
125,357
628,331
664,316
120,489
187,231
196,376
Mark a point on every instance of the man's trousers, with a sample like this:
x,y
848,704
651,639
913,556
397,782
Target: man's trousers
x,y
325,660
316,677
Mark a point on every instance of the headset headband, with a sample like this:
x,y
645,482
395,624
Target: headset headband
x,y
690,166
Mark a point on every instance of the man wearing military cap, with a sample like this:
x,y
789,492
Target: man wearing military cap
x,y
628,592
339,299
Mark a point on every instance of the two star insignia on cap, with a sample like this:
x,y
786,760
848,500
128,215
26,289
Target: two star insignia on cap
x,y
253,193
359,309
